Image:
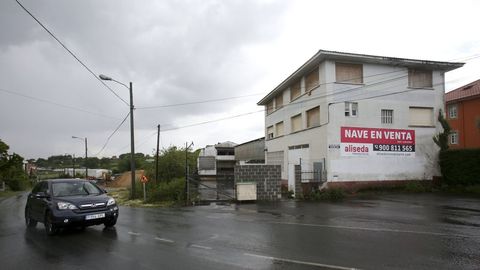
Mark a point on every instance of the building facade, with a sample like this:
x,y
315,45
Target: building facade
x,y
252,152
347,117
463,114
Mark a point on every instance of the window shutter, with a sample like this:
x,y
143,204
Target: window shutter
x,y
296,123
421,116
349,73
279,129
312,80
295,90
313,117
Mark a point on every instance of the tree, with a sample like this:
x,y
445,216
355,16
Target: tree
x,y
441,139
11,169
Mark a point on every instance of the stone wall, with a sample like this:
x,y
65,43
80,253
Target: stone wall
x,y
267,178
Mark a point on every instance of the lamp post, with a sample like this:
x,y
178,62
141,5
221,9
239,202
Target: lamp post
x,y
132,133
86,155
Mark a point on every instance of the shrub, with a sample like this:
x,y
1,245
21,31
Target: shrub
x,y
331,194
171,191
460,167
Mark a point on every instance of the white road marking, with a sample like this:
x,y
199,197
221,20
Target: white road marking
x,y
300,262
164,240
134,233
376,229
201,247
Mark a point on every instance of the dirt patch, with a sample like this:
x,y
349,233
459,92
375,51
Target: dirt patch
x,y
125,180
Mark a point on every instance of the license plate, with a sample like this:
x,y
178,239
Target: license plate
x,y
89,217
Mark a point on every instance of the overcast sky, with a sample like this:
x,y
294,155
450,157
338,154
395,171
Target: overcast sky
x,y
178,52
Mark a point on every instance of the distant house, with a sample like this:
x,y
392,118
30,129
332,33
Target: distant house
x,y
216,165
252,152
348,119
463,115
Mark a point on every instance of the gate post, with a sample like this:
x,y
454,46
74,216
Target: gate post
x,y
298,181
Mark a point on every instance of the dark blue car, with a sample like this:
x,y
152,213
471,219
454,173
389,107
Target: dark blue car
x,y
59,203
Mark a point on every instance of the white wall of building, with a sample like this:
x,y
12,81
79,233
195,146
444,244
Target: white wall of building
x,y
384,87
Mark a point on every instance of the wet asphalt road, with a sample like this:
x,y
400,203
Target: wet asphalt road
x,y
391,232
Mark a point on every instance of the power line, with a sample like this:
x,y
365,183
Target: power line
x,y
196,102
70,52
56,104
111,135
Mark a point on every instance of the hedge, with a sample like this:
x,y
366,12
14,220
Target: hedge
x,y
460,167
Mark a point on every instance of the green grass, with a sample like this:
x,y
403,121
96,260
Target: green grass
x,y
9,193
121,196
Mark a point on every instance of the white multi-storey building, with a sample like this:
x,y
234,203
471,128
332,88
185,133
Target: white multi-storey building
x,y
351,117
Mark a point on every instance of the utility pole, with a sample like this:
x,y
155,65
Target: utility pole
x,y
132,143
73,159
86,159
156,161
186,172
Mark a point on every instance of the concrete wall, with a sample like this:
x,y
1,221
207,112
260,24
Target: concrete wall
x,y
267,178
254,150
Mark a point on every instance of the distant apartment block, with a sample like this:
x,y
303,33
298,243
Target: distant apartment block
x,y
348,118
463,115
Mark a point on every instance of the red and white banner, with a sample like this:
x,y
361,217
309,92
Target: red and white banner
x,y
358,141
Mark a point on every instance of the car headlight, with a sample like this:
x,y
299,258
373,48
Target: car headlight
x,y
65,206
111,201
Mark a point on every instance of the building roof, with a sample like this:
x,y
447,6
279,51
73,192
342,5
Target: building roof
x,y
226,144
465,92
256,140
323,55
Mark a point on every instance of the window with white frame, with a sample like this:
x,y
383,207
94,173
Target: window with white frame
x,y
351,109
387,116
454,137
452,111
270,132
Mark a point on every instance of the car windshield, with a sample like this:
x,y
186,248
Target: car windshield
x,y
74,188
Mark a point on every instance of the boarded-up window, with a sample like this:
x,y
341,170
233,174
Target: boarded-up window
x,y
313,117
270,132
297,123
279,101
279,129
418,78
206,163
270,107
295,90
349,73
312,80
421,116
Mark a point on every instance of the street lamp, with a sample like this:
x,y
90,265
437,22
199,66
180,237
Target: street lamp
x,y
86,155
132,133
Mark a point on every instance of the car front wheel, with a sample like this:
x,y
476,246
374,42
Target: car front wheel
x,y
50,228
31,223
110,223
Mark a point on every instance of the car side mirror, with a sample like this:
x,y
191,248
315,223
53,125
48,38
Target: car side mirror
x,y
42,195
104,190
